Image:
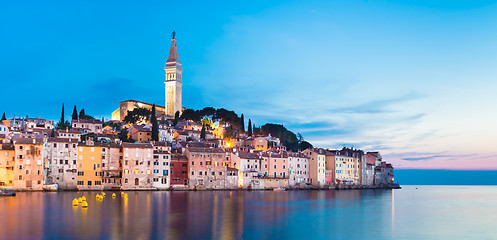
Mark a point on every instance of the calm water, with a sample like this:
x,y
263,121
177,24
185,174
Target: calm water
x,y
429,212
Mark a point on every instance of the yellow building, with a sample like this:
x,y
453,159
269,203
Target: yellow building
x,y
129,105
89,167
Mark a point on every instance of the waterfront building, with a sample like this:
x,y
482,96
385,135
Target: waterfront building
x,y
328,177
112,162
87,125
137,167
330,162
89,166
162,160
275,165
298,169
7,163
232,181
178,171
28,166
174,81
317,166
207,167
61,167
249,169
367,170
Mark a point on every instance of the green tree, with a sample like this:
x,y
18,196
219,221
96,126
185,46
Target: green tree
x,y
190,114
82,114
53,133
176,118
62,114
242,123
138,115
155,125
74,113
123,135
202,132
249,130
3,116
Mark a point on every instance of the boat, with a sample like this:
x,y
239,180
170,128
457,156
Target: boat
x,y
51,187
279,189
7,193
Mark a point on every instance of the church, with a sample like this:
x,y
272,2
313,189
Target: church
x,y
173,89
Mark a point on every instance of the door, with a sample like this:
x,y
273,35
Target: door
x,y
137,181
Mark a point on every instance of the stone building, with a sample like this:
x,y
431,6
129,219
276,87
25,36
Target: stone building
x,y
317,166
207,167
178,171
174,82
137,166
87,125
28,166
249,169
112,162
61,167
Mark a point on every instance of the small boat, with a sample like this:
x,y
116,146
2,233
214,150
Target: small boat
x,y
51,187
279,189
7,193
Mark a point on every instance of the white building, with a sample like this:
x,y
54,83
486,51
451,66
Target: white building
x,y
298,167
61,165
161,169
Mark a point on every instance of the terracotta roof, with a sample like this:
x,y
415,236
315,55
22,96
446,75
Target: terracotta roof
x,y
95,121
208,150
246,155
137,145
8,147
36,141
68,131
63,140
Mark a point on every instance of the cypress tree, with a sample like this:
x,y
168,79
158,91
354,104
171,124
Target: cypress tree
x,y
250,128
242,120
53,133
74,113
124,135
202,132
82,114
176,118
3,116
155,125
62,115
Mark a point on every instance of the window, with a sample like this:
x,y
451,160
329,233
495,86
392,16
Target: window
x,y
89,183
80,183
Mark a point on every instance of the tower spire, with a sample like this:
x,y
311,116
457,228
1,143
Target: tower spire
x,y
173,80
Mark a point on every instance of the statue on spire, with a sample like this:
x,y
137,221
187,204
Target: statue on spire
x,y
174,34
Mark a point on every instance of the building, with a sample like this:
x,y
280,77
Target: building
x,y
69,134
129,105
140,133
173,81
89,166
87,125
298,169
249,168
7,163
179,171
28,166
61,167
317,166
112,163
162,160
137,167
207,167
275,165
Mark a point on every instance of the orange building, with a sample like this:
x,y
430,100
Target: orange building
x,y
28,168
89,166
7,160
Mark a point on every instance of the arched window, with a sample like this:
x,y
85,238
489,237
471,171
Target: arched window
x,y
125,180
137,181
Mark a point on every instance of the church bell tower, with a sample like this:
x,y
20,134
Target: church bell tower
x,y
173,80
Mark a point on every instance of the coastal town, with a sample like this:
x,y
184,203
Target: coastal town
x,y
146,146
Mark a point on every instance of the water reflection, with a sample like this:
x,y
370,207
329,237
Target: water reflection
x,y
194,215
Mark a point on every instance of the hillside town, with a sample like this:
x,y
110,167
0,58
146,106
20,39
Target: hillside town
x,y
146,146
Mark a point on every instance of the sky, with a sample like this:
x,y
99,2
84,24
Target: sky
x,y
415,80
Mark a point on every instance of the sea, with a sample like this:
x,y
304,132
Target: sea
x,y
413,212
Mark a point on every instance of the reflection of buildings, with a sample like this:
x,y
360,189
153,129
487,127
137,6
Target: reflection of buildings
x,y
22,217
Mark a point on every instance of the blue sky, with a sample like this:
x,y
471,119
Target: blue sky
x,y
413,79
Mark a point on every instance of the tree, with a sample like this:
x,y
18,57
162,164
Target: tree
x,y
62,114
53,133
3,116
202,132
242,123
74,113
249,130
176,118
155,125
190,114
82,114
124,135
103,122
138,115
